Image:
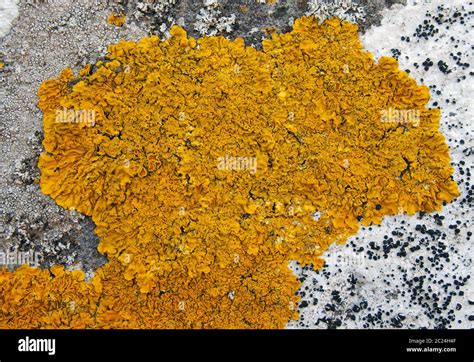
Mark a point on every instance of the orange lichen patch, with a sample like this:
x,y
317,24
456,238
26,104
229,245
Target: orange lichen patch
x,y
196,238
116,19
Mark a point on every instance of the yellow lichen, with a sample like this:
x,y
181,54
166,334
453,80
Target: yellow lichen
x,y
204,166
116,19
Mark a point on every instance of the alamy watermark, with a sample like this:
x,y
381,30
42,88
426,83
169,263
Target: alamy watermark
x,y
14,259
401,116
232,163
44,2
340,3
28,344
85,116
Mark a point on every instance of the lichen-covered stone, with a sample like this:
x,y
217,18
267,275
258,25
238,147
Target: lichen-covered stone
x,y
194,244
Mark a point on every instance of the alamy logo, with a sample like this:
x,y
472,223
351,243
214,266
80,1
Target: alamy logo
x,y
19,258
28,344
86,116
232,163
401,116
341,3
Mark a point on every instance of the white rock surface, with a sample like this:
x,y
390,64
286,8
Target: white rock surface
x,y
8,13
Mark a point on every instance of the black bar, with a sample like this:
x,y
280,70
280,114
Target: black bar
x,y
135,345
